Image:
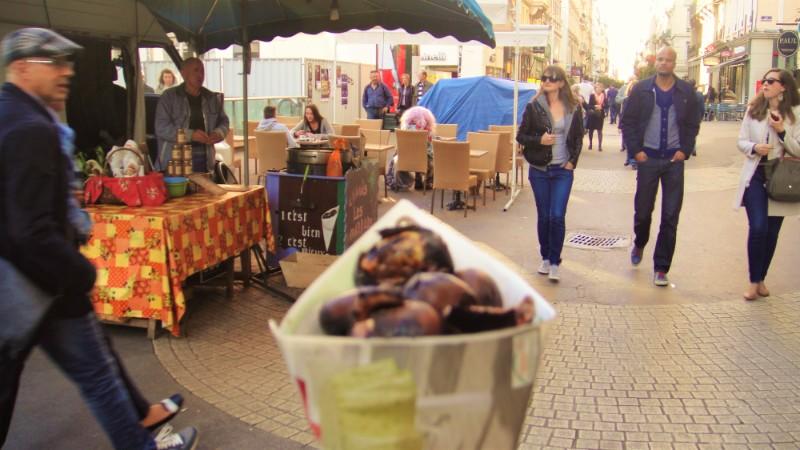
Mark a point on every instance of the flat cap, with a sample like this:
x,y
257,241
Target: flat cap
x,y
28,42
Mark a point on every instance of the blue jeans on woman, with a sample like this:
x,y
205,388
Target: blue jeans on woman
x,y
762,238
551,189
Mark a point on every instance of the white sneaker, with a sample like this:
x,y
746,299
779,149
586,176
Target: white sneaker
x,y
544,268
186,439
553,275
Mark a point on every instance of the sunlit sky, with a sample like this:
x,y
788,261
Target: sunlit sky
x,y
628,28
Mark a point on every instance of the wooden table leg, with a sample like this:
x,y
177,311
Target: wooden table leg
x,y
247,271
151,328
229,277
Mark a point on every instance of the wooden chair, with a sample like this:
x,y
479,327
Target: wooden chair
x,y
484,166
377,147
412,153
357,141
348,129
376,137
451,161
503,161
447,130
520,175
289,121
251,126
270,151
370,124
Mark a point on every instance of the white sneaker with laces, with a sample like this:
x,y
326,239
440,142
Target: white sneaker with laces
x,y
553,275
186,439
544,268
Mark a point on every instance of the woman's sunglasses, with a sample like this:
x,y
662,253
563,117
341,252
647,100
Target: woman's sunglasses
x,y
546,78
771,80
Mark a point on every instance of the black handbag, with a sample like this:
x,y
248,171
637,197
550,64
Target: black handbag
x,y
783,179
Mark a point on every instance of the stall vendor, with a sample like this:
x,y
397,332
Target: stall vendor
x,y
313,124
195,109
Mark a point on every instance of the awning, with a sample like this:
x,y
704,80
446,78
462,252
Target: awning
x,y
525,38
733,62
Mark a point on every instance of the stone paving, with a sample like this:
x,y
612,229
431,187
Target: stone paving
x,y
682,369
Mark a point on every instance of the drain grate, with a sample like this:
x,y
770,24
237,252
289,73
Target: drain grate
x,y
589,241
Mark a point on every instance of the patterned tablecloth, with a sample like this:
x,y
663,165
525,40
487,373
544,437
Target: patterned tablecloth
x,y
143,255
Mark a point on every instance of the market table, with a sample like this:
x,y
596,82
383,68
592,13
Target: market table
x,y
143,255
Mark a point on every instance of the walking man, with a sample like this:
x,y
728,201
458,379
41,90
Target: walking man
x,y
39,241
659,125
377,98
611,101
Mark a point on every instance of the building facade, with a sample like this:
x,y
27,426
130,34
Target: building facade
x,y
734,42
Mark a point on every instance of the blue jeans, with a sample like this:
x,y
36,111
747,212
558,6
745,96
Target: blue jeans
x,y
762,238
374,113
78,347
551,189
670,176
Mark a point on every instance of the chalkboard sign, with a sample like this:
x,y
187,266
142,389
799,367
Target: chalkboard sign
x,y
361,197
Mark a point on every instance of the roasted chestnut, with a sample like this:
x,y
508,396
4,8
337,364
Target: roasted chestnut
x,y
474,318
401,253
486,292
413,318
338,315
441,290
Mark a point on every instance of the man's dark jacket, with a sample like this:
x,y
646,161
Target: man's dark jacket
x,y
35,235
640,102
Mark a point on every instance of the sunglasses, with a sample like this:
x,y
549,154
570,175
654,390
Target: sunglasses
x,y
548,78
771,80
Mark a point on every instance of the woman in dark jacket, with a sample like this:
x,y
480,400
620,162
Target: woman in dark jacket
x,y
595,115
551,134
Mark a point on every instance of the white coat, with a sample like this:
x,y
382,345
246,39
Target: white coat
x,y
754,132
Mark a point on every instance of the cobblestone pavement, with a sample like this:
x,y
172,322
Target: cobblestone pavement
x,y
628,366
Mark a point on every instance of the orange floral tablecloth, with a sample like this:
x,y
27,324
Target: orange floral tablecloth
x,y
143,255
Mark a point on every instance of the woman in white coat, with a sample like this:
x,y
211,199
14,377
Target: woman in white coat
x,y
770,129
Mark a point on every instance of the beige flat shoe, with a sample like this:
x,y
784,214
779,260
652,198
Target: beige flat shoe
x,y
763,291
749,297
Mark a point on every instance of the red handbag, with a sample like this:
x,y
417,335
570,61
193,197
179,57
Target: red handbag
x,y
146,190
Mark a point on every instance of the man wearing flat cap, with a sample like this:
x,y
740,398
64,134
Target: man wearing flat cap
x,y
38,248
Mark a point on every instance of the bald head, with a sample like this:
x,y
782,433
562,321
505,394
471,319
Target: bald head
x,y
665,62
194,75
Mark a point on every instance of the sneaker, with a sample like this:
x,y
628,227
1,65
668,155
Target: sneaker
x,y
544,268
660,279
186,439
636,255
553,275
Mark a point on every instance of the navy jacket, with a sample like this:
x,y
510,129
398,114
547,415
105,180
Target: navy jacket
x,y
35,234
380,97
640,102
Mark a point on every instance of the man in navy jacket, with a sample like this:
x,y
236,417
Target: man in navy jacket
x,y
659,125
377,98
38,239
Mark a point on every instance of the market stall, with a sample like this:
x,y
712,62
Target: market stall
x,y
143,255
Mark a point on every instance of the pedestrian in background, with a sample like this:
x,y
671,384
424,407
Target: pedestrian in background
x,y
660,125
611,101
405,95
551,134
39,236
711,98
377,98
166,79
769,130
595,115
422,86
701,107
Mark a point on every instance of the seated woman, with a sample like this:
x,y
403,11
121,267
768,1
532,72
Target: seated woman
x,y
416,118
313,124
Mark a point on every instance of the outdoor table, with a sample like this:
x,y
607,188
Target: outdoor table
x,y
144,254
315,143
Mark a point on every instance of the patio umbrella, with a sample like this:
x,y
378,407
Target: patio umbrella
x,y
220,23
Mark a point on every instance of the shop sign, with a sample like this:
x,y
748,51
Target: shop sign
x,y
787,43
710,48
766,18
738,51
725,53
438,55
711,61
310,214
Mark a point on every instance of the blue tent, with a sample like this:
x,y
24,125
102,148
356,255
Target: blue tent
x,y
474,103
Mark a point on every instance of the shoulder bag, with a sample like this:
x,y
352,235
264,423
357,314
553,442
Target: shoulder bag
x,y
783,179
